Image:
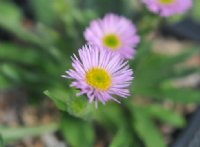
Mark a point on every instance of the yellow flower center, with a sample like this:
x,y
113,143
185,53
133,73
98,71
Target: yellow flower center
x,y
98,78
166,1
111,41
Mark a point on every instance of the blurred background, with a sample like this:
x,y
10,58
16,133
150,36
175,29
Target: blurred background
x,y
39,109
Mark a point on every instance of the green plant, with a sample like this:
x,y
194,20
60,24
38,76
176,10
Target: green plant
x,y
39,52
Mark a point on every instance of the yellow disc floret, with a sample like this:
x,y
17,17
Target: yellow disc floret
x,y
166,1
111,41
98,78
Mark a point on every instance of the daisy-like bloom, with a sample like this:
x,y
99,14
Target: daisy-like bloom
x,y
100,74
115,33
167,8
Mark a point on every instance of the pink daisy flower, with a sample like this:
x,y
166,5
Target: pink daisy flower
x,y
115,33
168,7
99,74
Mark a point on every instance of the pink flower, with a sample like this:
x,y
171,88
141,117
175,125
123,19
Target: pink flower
x,y
114,33
100,74
168,7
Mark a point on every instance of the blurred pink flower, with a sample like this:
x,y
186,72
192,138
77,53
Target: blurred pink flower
x,y
168,7
115,33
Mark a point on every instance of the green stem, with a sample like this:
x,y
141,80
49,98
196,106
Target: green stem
x,y
10,134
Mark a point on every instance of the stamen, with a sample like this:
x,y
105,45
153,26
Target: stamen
x,y
98,78
112,41
166,1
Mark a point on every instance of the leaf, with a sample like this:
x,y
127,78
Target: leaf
x,y
110,115
10,72
175,18
59,97
195,10
43,12
11,52
66,100
10,134
165,115
153,70
10,15
11,19
77,133
122,139
1,141
23,75
183,95
4,82
146,129
185,71
28,57
78,106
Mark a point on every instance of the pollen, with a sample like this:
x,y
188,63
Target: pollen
x,y
166,1
111,41
98,78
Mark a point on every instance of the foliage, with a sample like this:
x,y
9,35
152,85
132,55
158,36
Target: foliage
x,y
39,51
1,141
10,134
77,132
196,11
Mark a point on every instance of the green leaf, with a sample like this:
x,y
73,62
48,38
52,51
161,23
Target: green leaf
x,y
28,57
59,97
122,139
175,18
1,141
46,35
4,82
22,74
66,100
110,115
165,115
10,15
185,71
78,133
10,134
11,52
10,72
195,10
146,129
43,11
153,70
183,95
11,19
78,106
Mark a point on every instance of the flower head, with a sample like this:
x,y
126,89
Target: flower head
x,y
168,7
115,33
100,74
